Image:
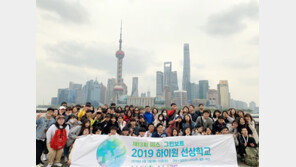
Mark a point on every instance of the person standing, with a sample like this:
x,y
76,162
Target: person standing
x,y
42,124
56,154
149,117
172,113
205,121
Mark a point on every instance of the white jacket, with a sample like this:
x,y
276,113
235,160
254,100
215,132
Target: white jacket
x,y
51,131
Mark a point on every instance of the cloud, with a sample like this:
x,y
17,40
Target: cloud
x,y
93,55
68,11
232,20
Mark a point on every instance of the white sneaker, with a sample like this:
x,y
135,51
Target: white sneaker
x,y
49,165
44,158
39,165
58,164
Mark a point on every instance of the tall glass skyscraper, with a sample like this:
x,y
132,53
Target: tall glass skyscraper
x,y
135,87
203,89
159,83
186,71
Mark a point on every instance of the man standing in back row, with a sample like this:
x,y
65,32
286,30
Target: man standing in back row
x,y
173,112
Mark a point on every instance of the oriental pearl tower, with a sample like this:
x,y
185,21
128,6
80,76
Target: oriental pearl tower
x,y
120,88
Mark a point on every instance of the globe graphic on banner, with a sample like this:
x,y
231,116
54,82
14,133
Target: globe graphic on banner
x,y
111,153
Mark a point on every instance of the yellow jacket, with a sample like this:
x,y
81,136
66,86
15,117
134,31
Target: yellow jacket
x,y
81,114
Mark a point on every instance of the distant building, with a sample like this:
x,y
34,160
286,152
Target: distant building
x,y
170,77
72,85
54,101
180,97
238,104
203,89
109,94
148,93
159,83
212,97
63,95
103,91
135,87
141,101
252,105
196,102
186,86
167,96
223,94
143,94
194,89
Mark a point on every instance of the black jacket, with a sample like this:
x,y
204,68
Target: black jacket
x,y
217,127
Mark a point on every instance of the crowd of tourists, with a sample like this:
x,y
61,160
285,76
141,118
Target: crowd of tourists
x,y
57,130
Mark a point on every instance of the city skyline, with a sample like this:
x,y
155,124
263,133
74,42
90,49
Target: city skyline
x,y
65,55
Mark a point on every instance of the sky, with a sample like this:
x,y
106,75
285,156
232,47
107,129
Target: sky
x,y
77,41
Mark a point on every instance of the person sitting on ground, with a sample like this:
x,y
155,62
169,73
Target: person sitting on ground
x,y
160,131
187,131
218,125
113,131
125,131
198,131
150,130
245,141
175,133
98,131
142,132
208,131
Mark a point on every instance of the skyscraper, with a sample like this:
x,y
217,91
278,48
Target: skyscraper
x,y
223,94
148,93
120,88
135,87
186,71
170,77
110,85
203,89
159,83
103,91
167,70
63,95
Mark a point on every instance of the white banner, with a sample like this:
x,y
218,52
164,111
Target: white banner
x,y
114,151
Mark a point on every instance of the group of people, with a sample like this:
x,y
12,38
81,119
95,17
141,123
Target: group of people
x,y
78,121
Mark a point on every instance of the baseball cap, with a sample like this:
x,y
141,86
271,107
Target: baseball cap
x,y
60,117
62,107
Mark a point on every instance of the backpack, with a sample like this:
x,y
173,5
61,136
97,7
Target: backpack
x,y
252,156
59,139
